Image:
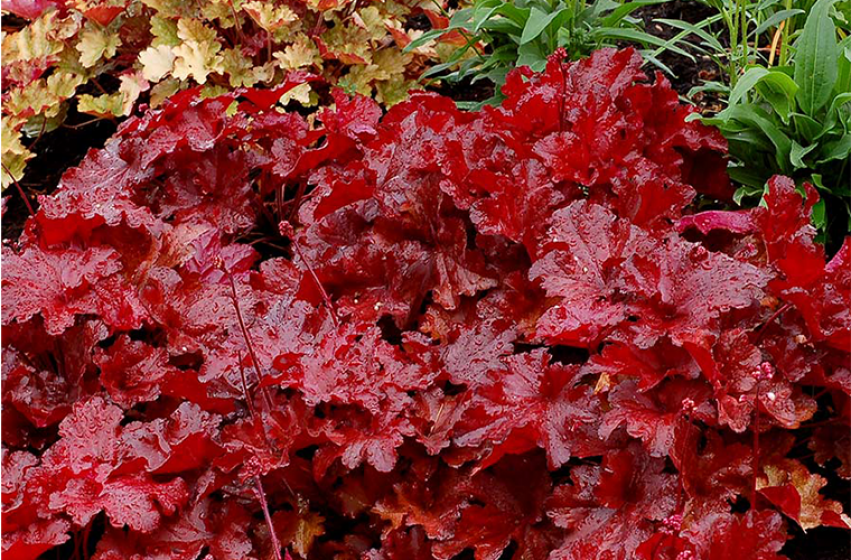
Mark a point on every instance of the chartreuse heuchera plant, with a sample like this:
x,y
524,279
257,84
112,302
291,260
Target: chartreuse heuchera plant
x,y
105,57
234,334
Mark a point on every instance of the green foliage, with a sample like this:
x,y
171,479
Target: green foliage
x,y
742,33
495,36
795,119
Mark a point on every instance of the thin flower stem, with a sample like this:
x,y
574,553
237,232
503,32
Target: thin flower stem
x,y
325,297
755,466
236,23
40,133
686,421
248,400
246,335
770,320
261,495
20,190
82,124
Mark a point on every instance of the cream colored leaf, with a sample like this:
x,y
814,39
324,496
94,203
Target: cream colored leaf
x,y
14,155
169,8
394,90
213,90
101,106
189,29
157,62
428,49
63,84
33,41
163,90
220,12
238,67
370,19
132,85
300,94
196,60
814,508
42,96
264,74
391,61
268,16
96,44
164,31
301,53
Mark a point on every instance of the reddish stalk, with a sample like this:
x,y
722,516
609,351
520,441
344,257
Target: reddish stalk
x,y
687,407
258,486
764,373
819,394
40,133
82,124
100,87
560,54
20,190
86,532
285,229
245,387
261,495
828,422
325,297
770,320
236,24
234,298
76,554
755,465
297,200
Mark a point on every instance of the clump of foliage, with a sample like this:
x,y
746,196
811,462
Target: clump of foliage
x,y
495,36
789,103
230,332
796,120
744,32
109,55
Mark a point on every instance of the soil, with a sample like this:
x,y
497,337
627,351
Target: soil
x,y
687,73
822,543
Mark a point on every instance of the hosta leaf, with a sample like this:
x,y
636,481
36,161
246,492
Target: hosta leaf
x,y
815,60
537,22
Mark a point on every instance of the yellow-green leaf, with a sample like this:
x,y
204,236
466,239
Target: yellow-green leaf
x,y
96,44
268,16
300,54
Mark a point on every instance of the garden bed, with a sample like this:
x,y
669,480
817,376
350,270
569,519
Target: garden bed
x,y
539,330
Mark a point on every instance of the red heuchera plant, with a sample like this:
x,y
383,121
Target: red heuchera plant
x,y
232,335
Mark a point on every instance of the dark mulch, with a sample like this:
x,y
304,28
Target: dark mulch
x,y
55,153
687,73
823,543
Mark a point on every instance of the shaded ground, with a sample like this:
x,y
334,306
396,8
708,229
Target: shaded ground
x,y
55,153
